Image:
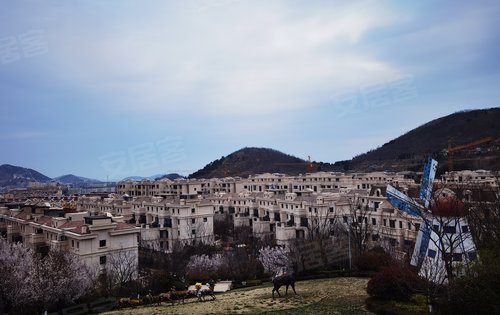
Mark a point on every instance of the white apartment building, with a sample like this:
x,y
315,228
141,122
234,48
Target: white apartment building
x,y
188,188
280,184
94,239
172,221
292,216
478,177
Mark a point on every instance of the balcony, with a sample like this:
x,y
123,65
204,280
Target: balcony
x,y
36,239
284,233
139,211
59,245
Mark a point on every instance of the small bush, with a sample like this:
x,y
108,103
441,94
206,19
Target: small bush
x,y
478,295
373,260
394,283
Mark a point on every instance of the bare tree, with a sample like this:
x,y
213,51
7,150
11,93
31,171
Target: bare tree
x,y
355,218
201,234
484,214
321,225
121,268
434,274
450,244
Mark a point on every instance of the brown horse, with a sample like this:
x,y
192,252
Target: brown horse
x,y
288,280
181,295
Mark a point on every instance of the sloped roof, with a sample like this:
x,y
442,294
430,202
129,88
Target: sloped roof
x,y
76,227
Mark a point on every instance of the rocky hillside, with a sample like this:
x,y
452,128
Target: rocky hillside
x,y
14,176
249,161
407,152
432,138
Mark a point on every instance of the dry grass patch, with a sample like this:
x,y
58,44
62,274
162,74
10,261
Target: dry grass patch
x,y
325,296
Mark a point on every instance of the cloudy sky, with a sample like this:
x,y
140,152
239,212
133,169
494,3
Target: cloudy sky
x,y
116,88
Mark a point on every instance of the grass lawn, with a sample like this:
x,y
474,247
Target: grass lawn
x,y
322,296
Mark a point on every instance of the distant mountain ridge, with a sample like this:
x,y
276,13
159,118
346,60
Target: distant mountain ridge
x,y
406,152
76,181
15,176
170,176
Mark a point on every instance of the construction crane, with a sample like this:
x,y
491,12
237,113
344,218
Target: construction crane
x,y
463,147
308,164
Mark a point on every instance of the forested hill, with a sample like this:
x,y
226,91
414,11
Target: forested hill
x,y
432,138
248,161
406,152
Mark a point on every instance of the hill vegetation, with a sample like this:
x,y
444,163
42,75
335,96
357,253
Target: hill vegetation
x,y
405,153
75,181
248,161
14,176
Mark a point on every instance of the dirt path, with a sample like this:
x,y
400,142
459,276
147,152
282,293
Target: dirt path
x,y
324,296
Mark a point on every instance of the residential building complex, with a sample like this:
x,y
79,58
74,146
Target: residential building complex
x,y
163,214
93,238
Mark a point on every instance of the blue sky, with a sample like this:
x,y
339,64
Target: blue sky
x,y
116,88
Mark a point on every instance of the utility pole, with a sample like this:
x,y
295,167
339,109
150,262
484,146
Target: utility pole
x,y
350,255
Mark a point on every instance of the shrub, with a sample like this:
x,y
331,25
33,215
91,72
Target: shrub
x,y
373,260
394,282
473,295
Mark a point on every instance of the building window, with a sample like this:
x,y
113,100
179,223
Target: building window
x,y
385,222
205,219
449,229
193,232
392,223
102,243
193,221
465,229
457,257
193,210
400,224
102,260
374,221
431,253
72,243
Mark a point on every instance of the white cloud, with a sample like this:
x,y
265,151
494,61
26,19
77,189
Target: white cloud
x,y
240,58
